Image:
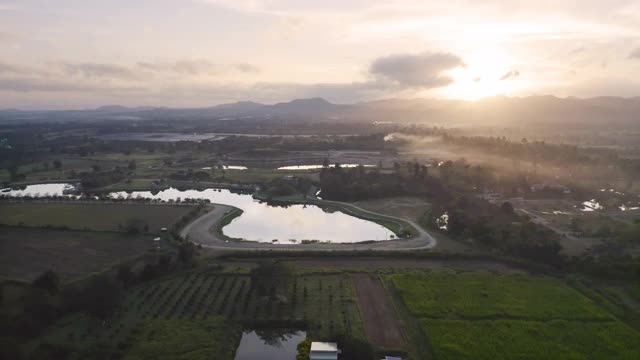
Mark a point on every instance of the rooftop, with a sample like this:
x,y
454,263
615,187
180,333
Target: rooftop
x,y
323,346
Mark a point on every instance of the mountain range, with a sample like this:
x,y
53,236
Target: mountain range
x,y
493,111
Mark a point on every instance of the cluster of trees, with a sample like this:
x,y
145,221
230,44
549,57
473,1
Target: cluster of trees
x,y
190,175
286,187
347,184
271,279
496,227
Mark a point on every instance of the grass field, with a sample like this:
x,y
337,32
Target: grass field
x,y
516,339
486,316
323,304
97,217
478,295
26,253
184,339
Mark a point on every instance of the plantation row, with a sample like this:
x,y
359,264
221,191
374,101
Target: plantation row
x,y
325,304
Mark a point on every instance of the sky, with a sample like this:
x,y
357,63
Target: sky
x,y
57,54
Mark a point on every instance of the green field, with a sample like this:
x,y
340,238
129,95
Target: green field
x,y
488,316
27,252
478,295
184,339
322,304
97,217
517,339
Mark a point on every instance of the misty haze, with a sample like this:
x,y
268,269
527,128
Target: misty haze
x,y
306,180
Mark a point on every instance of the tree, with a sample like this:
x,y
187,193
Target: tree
x,y
304,348
187,253
132,165
134,226
101,296
507,208
10,349
48,281
354,349
57,164
125,275
270,277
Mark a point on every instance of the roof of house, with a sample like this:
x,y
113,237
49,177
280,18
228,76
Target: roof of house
x,y
391,358
323,346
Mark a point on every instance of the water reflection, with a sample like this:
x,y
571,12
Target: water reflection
x,y
38,190
286,224
314,167
271,344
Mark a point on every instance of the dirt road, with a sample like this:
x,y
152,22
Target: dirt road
x,y
202,231
380,323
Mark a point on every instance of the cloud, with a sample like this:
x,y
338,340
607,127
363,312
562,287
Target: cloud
x,y
6,68
98,70
424,70
512,74
184,67
635,53
247,68
27,84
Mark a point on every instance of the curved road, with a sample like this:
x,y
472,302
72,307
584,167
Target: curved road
x,y
202,231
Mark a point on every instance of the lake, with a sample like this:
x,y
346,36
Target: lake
x,y
287,224
269,345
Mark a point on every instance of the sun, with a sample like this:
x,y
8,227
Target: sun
x,y
483,76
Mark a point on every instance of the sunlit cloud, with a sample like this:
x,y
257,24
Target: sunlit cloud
x,y
201,52
424,70
512,74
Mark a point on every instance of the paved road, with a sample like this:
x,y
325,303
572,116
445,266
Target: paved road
x,y
201,231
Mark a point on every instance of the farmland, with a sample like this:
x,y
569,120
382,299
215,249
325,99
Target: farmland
x,y
204,299
485,316
97,217
516,339
25,253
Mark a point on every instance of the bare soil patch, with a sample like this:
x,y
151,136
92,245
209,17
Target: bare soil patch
x,y
380,323
26,253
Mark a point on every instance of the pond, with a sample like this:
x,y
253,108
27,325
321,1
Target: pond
x,y
269,345
315,167
226,167
287,224
39,190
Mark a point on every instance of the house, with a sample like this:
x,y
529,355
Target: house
x,y
391,358
324,351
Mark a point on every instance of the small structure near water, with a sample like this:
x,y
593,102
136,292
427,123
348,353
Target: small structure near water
x,y
324,351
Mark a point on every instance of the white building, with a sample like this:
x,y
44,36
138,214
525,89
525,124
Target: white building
x,y
324,351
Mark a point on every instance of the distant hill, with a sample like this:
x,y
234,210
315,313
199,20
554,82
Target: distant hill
x,y
547,111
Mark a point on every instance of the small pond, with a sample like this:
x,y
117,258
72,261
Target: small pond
x,y
288,224
226,167
315,167
269,345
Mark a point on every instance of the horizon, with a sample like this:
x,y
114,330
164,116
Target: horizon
x,y
196,53
106,105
